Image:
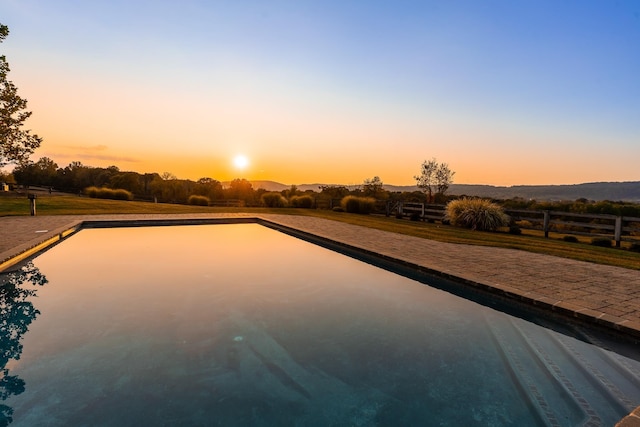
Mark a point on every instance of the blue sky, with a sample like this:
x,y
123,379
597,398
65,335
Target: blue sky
x,y
505,92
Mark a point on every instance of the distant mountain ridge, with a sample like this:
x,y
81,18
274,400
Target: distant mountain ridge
x,y
628,191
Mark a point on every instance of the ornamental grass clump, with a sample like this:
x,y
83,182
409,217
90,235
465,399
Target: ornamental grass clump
x,y
360,205
305,202
476,214
91,192
108,193
198,200
122,194
273,200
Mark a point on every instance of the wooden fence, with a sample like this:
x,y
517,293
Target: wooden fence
x,y
614,227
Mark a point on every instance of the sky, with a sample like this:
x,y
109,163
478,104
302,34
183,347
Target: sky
x,y
335,91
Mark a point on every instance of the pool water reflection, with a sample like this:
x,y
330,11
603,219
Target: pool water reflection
x,y
242,325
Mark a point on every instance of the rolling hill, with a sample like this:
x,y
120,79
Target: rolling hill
x,y
616,191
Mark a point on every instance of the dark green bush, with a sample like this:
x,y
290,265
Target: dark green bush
x,y
273,200
635,247
514,229
361,205
601,241
415,216
305,202
570,239
195,199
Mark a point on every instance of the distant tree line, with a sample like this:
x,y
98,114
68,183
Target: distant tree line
x,y
167,188
580,206
76,177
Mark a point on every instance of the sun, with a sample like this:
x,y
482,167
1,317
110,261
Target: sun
x,y
240,161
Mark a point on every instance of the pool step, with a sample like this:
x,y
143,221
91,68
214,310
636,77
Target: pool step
x,y
568,381
548,401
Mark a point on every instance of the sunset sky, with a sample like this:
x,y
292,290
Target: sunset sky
x,y
334,91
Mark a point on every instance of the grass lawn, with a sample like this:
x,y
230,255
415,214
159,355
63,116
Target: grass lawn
x,y
529,241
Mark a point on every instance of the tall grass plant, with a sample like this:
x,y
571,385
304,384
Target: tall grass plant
x,y
476,214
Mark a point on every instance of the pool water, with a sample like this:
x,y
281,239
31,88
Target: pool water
x,y
242,325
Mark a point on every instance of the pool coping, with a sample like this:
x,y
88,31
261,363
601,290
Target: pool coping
x,y
29,249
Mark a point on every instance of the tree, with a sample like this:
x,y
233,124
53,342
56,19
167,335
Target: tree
x,y
42,172
240,189
47,170
334,191
291,192
373,188
7,177
444,178
130,181
208,187
435,178
16,143
426,181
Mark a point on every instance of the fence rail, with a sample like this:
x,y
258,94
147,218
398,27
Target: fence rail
x,y
617,228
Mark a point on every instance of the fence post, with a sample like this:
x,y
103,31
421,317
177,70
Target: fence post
x,y
422,211
400,209
545,225
617,234
32,204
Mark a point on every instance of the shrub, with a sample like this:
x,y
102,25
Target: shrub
x,y
350,204
273,200
108,193
415,216
601,241
91,192
305,201
195,199
105,193
635,247
570,239
121,194
361,205
514,229
476,214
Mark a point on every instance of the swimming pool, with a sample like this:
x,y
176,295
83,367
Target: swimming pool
x,y
243,325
